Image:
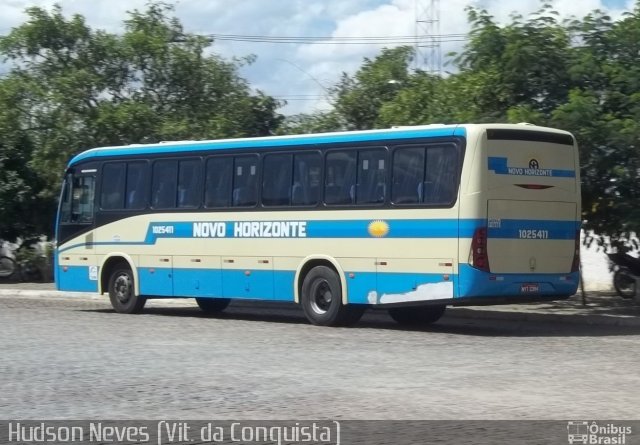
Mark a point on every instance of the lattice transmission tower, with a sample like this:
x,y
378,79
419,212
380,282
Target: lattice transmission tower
x,y
428,46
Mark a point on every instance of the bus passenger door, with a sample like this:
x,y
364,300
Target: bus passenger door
x,y
247,277
77,264
155,274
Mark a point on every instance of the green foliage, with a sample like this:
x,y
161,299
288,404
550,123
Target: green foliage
x,y
22,208
312,123
579,75
73,88
359,98
603,111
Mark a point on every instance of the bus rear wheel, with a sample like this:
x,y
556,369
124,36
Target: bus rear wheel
x,y
213,305
416,316
122,292
321,299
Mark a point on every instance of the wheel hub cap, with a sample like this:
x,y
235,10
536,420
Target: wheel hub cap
x,y
322,297
123,288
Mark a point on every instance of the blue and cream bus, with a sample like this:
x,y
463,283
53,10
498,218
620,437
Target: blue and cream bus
x,y
408,219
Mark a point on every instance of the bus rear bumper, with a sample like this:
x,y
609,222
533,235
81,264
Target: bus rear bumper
x,y
474,283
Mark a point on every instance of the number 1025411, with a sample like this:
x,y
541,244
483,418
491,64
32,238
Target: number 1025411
x,y
533,234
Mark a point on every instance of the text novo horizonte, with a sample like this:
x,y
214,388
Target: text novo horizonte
x,y
529,171
251,229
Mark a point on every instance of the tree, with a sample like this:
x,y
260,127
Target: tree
x,y
320,122
73,88
522,66
603,111
589,87
430,99
23,210
581,75
359,98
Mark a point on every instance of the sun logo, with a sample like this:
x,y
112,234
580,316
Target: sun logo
x,y
378,228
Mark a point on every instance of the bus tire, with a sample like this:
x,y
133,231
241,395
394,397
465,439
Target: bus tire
x,y
122,292
417,315
321,299
213,305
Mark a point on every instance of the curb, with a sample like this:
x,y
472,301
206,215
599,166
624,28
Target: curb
x,y
541,317
55,294
70,296
479,312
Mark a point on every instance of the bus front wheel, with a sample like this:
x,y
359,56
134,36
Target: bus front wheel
x,y
122,292
419,315
321,299
213,305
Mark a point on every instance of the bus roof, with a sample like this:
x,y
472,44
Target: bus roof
x,y
437,130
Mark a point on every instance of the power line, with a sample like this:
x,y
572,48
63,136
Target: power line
x,y
300,96
300,99
329,40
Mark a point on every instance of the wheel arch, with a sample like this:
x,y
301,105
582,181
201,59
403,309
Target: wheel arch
x,y
309,263
109,262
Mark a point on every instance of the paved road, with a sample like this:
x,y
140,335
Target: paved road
x,y
75,358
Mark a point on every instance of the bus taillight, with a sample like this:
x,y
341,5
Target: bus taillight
x,y
575,265
479,248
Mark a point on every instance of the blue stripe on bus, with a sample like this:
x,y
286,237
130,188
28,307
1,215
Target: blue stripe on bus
x,y
423,228
219,283
363,288
270,142
500,166
376,287
75,278
476,283
535,229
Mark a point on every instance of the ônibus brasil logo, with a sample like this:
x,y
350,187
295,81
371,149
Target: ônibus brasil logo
x,y
592,433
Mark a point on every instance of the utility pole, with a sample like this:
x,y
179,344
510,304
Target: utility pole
x,y
428,50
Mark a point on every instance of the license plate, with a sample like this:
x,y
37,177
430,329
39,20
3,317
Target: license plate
x,y
529,288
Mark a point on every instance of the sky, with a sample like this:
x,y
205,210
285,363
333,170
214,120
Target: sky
x,y
302,73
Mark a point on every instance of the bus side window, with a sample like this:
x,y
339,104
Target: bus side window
x,y
276,181
340,177
218,180
164,184
371,176
408,176
189,183
441,175
245,181
113,186
307,168
136,190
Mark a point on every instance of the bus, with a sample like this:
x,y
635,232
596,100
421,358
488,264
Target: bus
x,y
407,219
